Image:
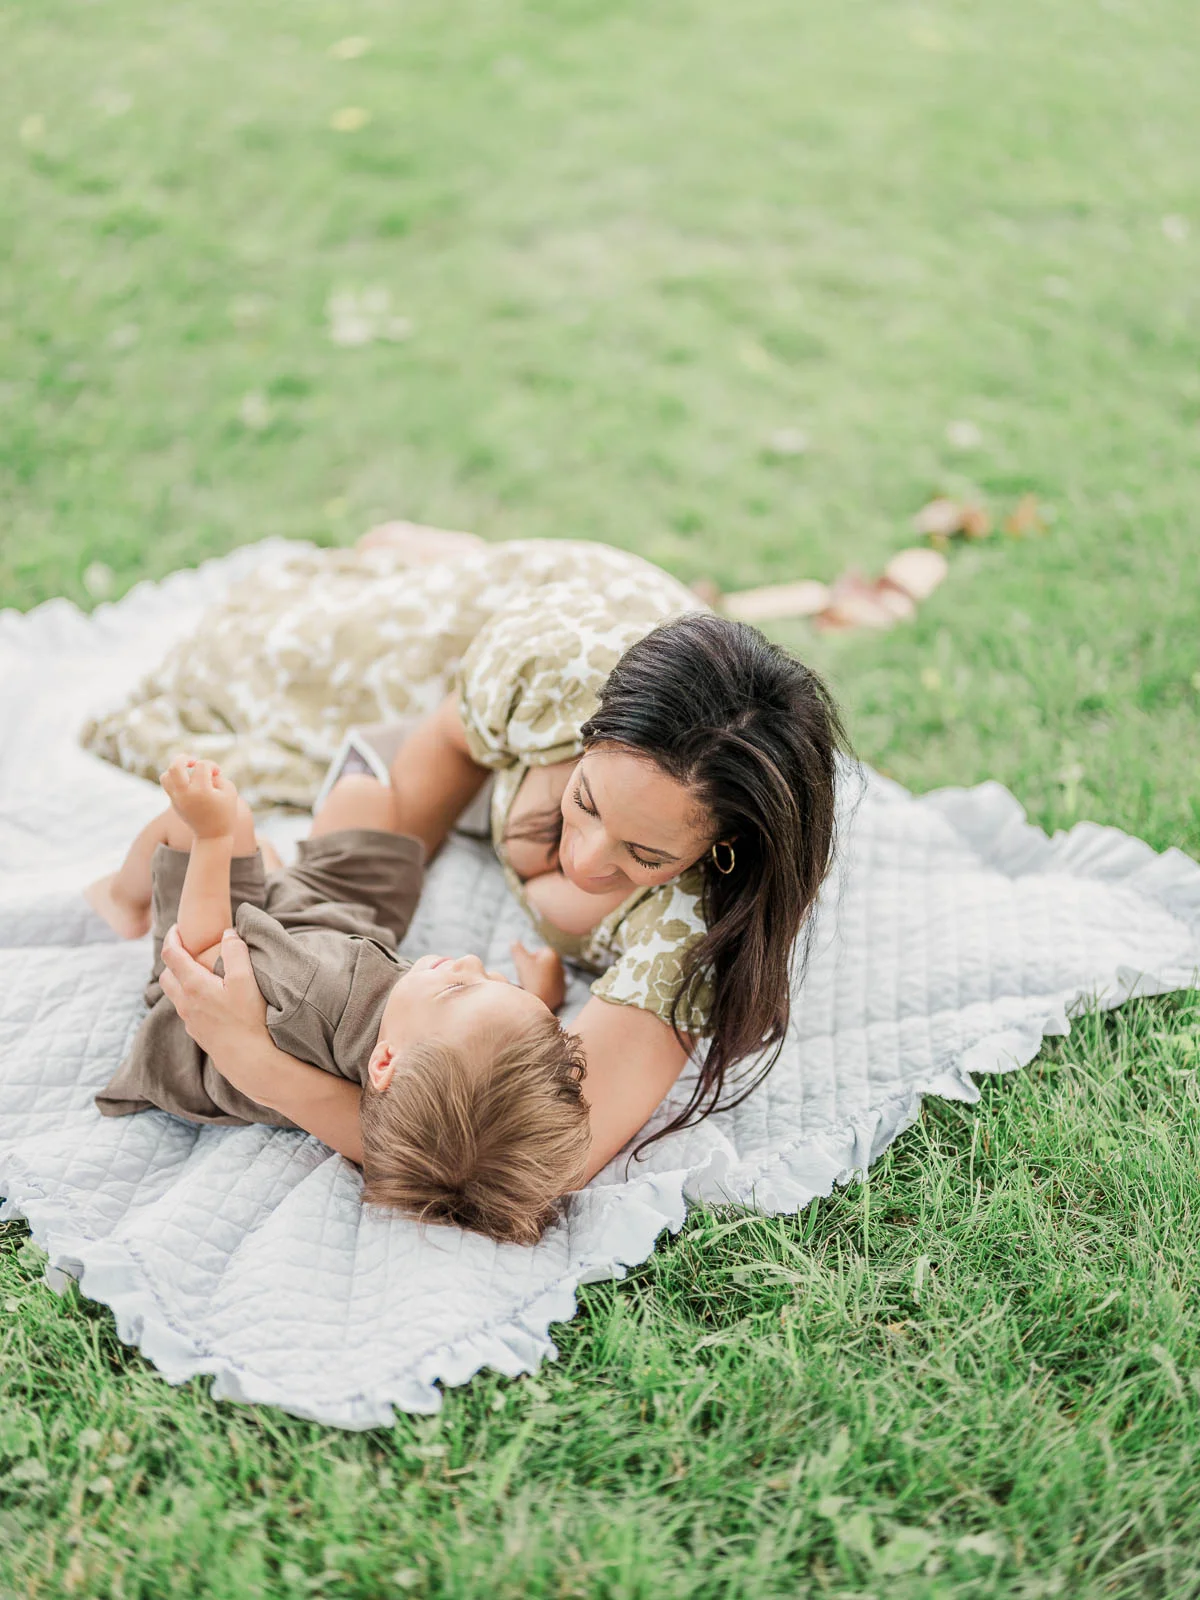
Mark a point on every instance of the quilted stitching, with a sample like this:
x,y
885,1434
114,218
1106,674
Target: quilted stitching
x,y
951,938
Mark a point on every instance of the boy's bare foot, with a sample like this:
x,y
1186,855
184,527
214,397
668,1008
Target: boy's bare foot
x,y
125,918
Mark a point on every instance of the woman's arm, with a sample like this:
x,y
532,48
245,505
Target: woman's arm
x,y
567,908
434,777
633,1058
632,1061
227,1019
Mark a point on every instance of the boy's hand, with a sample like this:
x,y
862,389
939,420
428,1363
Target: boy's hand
x,y
198,793
542,973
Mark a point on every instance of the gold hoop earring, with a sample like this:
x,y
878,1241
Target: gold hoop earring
x,y
723,844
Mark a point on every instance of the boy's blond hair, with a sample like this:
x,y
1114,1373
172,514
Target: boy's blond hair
x,y
488,1144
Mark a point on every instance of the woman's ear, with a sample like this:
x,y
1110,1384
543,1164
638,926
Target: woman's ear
x,y
381,1067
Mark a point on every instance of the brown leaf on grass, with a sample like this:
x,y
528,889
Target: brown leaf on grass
x,y
1026,518
976,523
803,599
942,518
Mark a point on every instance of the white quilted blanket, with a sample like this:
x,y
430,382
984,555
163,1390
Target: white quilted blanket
x,y
953,936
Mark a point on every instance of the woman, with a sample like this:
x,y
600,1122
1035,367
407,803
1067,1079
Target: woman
x,y
663,807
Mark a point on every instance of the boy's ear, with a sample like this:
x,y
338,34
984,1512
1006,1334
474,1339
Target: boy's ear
x,y
382,1066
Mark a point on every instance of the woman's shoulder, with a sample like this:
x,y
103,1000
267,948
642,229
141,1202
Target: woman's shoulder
x,y
644,946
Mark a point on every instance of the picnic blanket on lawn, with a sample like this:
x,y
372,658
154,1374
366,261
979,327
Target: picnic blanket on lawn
x,y
951,938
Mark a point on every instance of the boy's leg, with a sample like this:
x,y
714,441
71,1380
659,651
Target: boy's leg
x,y
355,855
122,898
357,801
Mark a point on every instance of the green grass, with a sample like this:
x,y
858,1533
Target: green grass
x,y
632,243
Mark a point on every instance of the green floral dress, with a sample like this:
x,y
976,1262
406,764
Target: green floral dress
x,y
525,633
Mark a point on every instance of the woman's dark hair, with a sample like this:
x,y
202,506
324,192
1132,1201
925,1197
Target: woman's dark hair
x,y
755,735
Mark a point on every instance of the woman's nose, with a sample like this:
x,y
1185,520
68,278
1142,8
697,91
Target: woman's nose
x,y
591,856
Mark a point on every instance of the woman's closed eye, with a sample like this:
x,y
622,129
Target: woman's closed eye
x,y
590,811
577,796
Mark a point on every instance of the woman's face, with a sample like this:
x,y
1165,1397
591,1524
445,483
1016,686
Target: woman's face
x,y
627,825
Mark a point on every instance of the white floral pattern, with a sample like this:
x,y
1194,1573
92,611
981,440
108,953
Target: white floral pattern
x,y
526,631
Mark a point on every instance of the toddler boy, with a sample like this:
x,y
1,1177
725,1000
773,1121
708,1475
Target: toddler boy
x,y
472,1110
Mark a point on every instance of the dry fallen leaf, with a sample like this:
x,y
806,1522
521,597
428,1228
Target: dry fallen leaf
x,y
942,518
976,523
803,599
1026,518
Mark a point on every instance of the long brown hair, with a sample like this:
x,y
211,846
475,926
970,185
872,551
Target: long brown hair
x,y
756,736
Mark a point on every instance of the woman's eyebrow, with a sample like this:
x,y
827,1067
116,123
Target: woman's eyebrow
x,y
652,850
649,849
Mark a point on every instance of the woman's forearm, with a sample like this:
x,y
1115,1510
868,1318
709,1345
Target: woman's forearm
x,y
227,1019
633,1059
316,1101
568,908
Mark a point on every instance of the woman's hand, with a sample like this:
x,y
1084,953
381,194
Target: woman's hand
x,y
227,1017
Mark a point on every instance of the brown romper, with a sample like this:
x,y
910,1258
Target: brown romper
x,y
322,936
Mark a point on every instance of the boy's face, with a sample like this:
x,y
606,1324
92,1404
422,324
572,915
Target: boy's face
x,y
452,1000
